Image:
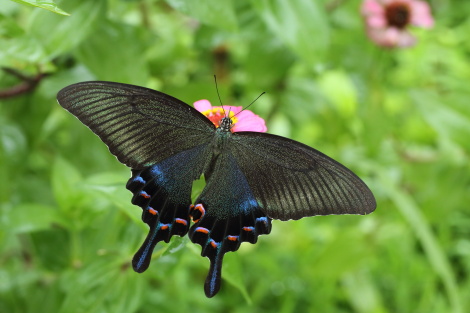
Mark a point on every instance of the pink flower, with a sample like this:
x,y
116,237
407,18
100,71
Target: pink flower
x,y
387,20
242,120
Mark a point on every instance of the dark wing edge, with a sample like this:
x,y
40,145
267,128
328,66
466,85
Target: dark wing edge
x,y
292,180
133,120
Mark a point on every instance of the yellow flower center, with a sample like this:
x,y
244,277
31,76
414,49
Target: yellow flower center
x,y
215,115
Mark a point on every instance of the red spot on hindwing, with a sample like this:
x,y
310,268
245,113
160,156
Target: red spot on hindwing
x,y
232,238
181,221
196,212
202,230
144,194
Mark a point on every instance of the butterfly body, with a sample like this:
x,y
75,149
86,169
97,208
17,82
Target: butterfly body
x,y
251,177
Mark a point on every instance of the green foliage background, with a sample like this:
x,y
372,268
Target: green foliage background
x,y
399,118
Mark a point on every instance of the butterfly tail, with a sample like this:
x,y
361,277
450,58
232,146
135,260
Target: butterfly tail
x,y
141,260
212,284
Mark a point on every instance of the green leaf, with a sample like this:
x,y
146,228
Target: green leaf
x,y
233,273
300,24
101,61
109,179
176,244
417,221
59,35
9,27
448,122
31,217
331,259
18,47
65,183
212,12
362,293
111,186
44,4
338,88
52,248
12,140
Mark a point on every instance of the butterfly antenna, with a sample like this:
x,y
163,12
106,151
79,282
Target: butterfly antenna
x,y
251,103
218,94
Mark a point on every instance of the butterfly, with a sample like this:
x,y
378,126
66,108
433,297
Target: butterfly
x,y
251,177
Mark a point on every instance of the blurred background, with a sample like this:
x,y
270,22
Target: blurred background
x,y
398,117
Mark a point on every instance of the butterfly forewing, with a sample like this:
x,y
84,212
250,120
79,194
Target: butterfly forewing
x,y
291,180
140,126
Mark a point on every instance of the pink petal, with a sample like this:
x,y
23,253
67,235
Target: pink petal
x,y
233,109
381,37
250,122
406,39
372,7
246,115
253,126
202,105
376,21
421,14
391,36
376,35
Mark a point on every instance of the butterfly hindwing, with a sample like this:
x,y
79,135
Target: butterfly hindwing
x,y
226,214
291,180
163,191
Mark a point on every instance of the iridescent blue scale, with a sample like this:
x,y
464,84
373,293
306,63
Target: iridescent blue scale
x,y
251,177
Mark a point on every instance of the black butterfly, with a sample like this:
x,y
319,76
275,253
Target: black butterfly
x,y
251,177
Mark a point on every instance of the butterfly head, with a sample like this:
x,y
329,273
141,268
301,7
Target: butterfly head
x,y
225,124
222,117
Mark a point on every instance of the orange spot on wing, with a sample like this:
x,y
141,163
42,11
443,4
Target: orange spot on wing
x,y
181,221
152,211
214,244
202,230
232,238
200,208
196,212
164,227
248,228
145,195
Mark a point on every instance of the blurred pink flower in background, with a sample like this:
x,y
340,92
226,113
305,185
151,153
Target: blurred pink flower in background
x,y
242,120
387,21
